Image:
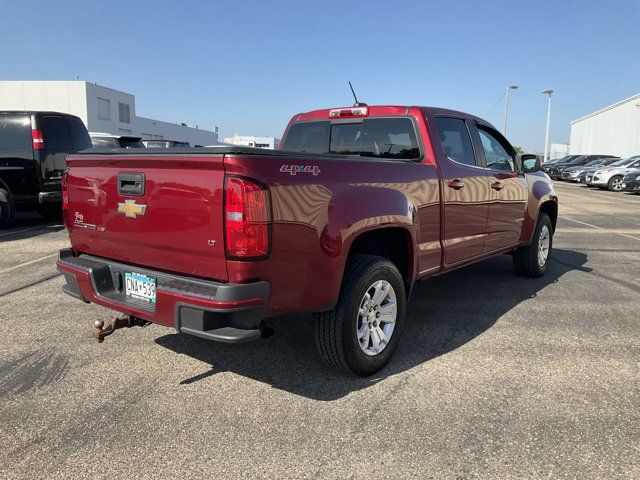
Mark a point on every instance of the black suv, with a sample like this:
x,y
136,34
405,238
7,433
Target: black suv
x,y
33,151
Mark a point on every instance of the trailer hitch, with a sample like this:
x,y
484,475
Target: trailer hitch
x,y
100,330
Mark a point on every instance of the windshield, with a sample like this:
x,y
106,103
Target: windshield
x,y
624,161
131,142
595,163
576,160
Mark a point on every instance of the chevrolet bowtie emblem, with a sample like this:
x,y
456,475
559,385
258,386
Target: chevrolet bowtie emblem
x,y
131,209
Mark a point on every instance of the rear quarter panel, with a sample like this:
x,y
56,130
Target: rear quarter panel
x,y
315,219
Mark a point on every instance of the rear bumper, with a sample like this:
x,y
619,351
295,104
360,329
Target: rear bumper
x,y
50,197
224,312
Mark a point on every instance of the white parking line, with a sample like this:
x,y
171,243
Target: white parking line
x,y
600,228
14,232
30,262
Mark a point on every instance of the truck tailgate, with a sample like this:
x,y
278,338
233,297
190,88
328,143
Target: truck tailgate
x,y
172,222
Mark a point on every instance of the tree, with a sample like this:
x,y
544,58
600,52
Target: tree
x,y
519,150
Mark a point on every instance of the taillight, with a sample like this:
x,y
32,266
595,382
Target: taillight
x,y
246,219
38,140
65,201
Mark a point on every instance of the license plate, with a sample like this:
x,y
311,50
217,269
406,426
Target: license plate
x,y
140,286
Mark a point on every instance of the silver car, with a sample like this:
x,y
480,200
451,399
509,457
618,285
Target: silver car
x,y
573,174
611,176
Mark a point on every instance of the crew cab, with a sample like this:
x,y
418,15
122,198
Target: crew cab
x,y
358,205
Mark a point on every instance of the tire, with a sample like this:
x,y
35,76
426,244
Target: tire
x,y
50,211
531,260
337,330
614,183
7,209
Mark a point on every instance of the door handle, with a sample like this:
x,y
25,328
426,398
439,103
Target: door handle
x,y
497,186
456,184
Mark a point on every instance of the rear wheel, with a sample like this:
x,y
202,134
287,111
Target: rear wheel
x,y
533,260
361,333
7,209
615,184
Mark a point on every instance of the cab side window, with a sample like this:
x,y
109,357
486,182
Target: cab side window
x,y
455,140
495,153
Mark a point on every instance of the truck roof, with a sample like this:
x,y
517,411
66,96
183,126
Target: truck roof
x,y
383,110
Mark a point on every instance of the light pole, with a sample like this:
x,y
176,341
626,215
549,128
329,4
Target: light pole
x,y
506,107
548,91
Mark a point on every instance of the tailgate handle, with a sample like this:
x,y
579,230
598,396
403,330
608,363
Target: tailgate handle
x,y
131,184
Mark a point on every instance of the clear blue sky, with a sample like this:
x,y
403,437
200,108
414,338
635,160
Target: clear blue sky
x,y
247,66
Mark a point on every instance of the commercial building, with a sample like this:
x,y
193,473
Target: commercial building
x,y
102,109
613,130
253,141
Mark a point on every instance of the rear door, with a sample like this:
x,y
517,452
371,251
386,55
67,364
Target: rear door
x,y
466,191
57,145
508,188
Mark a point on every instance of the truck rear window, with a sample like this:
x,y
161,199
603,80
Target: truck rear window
x,y
15,132
393,138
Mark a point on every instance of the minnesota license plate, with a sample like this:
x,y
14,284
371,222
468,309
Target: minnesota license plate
x,y
140,286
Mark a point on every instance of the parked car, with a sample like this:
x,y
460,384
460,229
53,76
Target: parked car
x,y
611,176
108,140
33,151
165,144
546,166
572,174
631,181
360,203
555,172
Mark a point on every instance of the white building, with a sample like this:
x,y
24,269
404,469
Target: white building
x,y
613,130
253,141
102,109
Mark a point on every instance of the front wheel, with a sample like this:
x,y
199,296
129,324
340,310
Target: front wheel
x,y
533,260
361,333
615,184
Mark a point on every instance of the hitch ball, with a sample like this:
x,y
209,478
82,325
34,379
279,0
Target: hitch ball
x,y
98,324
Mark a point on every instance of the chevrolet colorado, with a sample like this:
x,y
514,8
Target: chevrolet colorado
x,y
359,204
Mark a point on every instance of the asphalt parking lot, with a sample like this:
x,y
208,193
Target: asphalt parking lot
x,y
497,376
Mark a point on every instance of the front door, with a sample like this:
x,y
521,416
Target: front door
x,y
508,187
466,191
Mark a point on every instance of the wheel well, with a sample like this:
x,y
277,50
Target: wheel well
x,y
551,209
394,244
4,186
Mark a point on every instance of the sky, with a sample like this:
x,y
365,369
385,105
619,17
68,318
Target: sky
x,y
248,66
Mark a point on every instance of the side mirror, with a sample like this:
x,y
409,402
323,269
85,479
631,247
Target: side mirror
x,y
530,163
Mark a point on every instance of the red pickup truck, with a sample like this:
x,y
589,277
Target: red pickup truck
x,y
357,205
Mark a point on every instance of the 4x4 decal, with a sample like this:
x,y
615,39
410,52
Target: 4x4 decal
x,y
295,169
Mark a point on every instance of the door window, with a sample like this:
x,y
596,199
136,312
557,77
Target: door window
x,y
495,153
455,140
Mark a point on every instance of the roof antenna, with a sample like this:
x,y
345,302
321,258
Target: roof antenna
x,y
357,104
